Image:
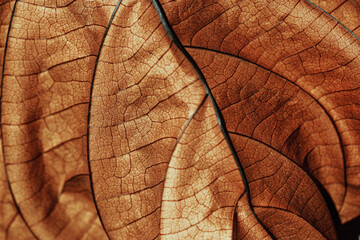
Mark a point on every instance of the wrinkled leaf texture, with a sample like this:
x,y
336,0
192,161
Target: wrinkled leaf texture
x,y
186,119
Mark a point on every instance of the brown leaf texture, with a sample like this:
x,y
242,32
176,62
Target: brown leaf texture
x,y
11,224
44,114
187,119
320,60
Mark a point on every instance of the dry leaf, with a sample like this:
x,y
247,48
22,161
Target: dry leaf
x,y
195,119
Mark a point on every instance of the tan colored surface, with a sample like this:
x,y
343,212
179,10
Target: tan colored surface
x,y
317,58
283,74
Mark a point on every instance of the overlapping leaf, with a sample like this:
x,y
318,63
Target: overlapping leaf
x,y
311,51
198,119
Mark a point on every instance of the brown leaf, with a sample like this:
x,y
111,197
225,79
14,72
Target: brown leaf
x,y
197,119
48,66
311,51
11,224
347,12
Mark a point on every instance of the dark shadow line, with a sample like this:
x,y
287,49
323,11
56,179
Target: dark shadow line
x,y
312,97
318,7
218,113
89,112
350,230
1,128
328,200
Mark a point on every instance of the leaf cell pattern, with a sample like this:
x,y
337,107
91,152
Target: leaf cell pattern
x,y
186,119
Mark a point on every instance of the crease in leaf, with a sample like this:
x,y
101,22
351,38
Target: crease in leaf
x,y
329,200
219,116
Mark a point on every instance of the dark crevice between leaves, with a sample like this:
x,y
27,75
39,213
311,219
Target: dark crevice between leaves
x,y
318,7
219,116
288,80
89,111
350,230
330,203
328,200
1,129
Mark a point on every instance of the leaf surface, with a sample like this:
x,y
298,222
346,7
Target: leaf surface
x,y
310,50
150,148
51,49
188,119
11,223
